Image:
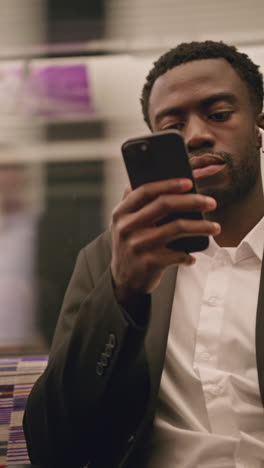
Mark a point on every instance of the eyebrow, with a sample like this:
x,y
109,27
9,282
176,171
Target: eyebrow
x,y
206,102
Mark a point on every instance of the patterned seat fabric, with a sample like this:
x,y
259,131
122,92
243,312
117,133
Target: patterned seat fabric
x,y
17,376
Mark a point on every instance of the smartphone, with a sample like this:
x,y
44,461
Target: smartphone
x,y
161,156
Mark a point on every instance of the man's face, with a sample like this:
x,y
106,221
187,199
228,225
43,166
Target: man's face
x,y
210,105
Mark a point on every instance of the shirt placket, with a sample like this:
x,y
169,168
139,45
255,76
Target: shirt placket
x,y
208,346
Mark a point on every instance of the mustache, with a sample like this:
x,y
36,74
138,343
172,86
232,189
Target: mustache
x,y
227,157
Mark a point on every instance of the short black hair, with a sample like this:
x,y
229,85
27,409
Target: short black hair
x,y
190,51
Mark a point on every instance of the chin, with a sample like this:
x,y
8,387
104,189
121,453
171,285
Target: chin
x,y
226,197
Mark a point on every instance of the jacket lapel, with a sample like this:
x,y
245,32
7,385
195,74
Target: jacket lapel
x,y
155,348
156,338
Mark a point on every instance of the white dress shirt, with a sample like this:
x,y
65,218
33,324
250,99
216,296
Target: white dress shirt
x,y
209,411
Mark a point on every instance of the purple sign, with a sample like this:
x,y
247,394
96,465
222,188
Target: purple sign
x,y
59,90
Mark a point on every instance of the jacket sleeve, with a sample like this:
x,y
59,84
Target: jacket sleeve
x,y
90,400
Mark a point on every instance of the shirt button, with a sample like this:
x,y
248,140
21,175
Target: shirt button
x,y
221,259
216,389
205,356
222,262
212,301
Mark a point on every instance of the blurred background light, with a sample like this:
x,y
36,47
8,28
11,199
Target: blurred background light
x,y
71,75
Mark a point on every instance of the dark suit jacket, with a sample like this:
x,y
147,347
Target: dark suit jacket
x,y
95,403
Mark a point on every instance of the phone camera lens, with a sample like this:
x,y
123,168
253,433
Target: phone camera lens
x,y
144,147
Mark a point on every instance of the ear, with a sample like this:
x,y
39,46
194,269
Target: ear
x,y
260,120
260,124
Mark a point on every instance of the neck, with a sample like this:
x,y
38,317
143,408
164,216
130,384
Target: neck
x,y
239,218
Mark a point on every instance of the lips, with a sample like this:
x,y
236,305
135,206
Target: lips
x,y
198,162
206,165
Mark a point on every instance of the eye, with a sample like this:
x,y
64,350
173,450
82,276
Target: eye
x,y
220,116
174,126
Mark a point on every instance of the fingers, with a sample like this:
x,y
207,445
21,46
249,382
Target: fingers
x,y
140,225
144,194
127,191
165,205
161,258
140,255
159,236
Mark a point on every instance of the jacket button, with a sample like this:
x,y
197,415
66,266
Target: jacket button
x,y
104,359
112,340
100,368
108,350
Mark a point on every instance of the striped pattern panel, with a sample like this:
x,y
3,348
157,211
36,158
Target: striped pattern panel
x,y
166,22
17,376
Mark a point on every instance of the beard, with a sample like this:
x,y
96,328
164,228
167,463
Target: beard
x,y
242,178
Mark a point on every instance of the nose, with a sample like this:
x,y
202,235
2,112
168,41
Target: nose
x,y
197,134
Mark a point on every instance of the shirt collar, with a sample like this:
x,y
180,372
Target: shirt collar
x,y
251,245
254,240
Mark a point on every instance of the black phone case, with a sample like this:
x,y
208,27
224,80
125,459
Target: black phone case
x,y
162,156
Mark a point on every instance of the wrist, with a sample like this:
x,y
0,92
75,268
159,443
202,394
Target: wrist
x,y
134,303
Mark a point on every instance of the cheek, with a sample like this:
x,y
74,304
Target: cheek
x,y
239,136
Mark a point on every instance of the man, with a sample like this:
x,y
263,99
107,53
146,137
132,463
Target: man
x,y
143,373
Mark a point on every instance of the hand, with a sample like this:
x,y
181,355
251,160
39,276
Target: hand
x,y
140,255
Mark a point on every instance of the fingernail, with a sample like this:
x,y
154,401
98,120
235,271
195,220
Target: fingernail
x,y
186,184
191,260
210,202
217,228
